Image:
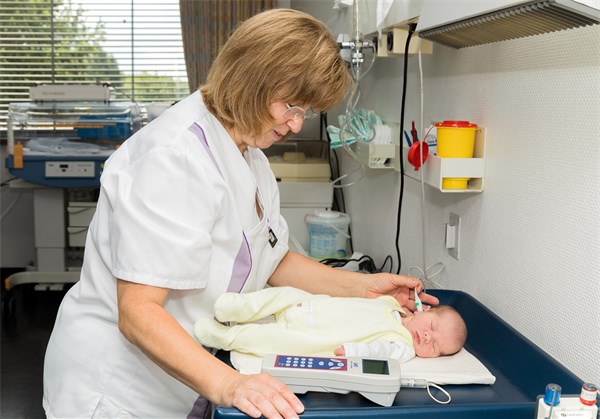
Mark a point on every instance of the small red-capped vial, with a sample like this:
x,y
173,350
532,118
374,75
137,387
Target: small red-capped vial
x,y
588,395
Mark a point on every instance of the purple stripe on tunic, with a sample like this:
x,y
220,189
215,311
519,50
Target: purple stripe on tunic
x,y
241,267
200,409
243,261
199,132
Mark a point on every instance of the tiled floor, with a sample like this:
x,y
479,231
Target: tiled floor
x,y
22,351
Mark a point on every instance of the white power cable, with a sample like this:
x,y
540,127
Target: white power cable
x,y
360,168
426,277
11,206
422,383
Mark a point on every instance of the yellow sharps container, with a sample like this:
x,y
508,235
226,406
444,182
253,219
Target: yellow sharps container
x,y
455,139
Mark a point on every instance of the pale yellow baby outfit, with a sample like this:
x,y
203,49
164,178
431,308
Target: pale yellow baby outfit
x,y
307,324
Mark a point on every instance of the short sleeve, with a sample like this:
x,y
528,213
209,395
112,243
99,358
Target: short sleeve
x,y
164,206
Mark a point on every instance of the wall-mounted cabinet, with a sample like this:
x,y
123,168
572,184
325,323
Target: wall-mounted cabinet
x,y
342,20
401,12
393,40
394,27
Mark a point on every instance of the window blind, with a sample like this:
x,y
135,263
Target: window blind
x,y
134,45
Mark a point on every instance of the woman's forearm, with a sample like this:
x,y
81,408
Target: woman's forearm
x,y
301,272
146,324
296,270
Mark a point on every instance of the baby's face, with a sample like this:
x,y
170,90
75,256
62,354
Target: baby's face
x,y
433,334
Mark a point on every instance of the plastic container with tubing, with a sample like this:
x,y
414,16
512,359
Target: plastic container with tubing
x,y
327,234
455,139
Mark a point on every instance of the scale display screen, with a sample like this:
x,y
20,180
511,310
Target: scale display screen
x,y
372,366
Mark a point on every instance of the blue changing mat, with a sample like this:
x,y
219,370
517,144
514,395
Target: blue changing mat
x,y
521,368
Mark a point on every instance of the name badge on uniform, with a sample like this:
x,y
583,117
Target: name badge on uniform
x,y
272,238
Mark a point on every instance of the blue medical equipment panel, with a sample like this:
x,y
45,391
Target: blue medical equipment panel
x,y
521,368
34,170
311,362
65,144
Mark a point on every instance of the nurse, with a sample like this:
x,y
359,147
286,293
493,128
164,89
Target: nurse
x,y
189,210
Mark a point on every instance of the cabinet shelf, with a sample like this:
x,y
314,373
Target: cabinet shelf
x,y
435,168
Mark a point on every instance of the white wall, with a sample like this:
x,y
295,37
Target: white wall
x,y
530,243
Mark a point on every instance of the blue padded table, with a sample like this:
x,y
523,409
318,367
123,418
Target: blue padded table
x,y
521,368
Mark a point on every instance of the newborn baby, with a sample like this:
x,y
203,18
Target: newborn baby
x,y
320,325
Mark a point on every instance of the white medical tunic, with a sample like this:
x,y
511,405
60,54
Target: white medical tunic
x,y
177,209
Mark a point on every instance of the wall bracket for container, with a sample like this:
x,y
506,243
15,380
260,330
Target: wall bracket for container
x,y
436,168
376,156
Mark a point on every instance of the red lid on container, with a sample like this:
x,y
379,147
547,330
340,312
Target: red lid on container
x,y
414,153
455,124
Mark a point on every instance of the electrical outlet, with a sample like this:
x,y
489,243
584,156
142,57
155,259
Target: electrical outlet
x,y
454,221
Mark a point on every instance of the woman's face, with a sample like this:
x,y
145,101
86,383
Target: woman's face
x,y
278,129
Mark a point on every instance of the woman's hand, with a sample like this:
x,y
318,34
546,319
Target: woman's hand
x,y
261,394
401,287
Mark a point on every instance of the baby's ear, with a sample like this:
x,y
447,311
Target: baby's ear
x,y
426,307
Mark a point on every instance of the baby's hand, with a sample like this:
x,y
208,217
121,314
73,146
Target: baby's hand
x,y
339,351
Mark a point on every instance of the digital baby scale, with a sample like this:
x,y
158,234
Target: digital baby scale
x,y
376,379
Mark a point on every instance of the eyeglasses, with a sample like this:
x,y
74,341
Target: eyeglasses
x,y
295,112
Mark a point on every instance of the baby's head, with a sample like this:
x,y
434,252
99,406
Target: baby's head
x,y
437,331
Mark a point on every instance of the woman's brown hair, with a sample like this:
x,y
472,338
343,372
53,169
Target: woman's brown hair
x,y
277,55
